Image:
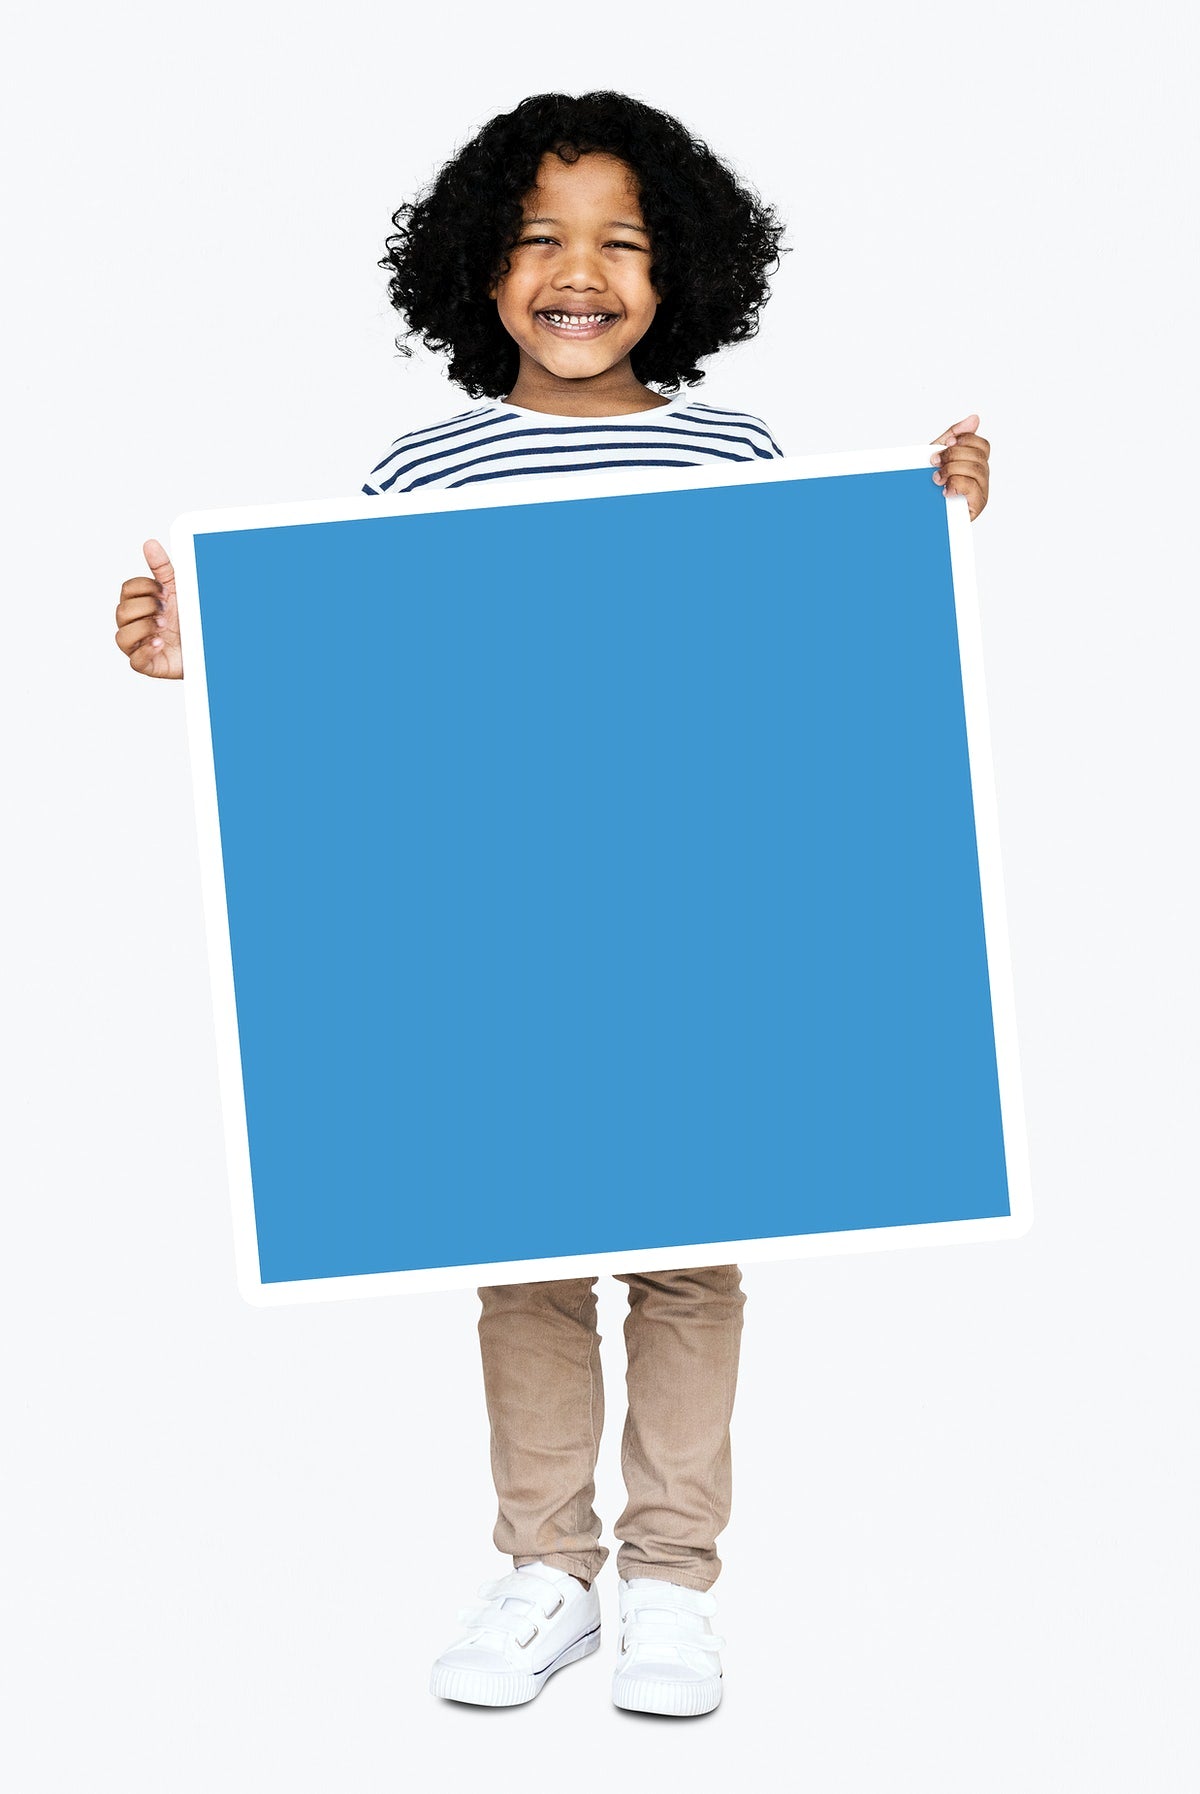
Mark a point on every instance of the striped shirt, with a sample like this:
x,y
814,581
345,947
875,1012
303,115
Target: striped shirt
x,y
498,441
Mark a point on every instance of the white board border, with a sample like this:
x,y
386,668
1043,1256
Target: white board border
x,y
550,489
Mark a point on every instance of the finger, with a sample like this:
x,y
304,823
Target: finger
x,y
148,604
960,460
966,449
966,423
147,658
155,657
135,635
968,439
974,505
972,490
159,561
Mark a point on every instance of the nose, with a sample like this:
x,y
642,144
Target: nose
x,y
579,269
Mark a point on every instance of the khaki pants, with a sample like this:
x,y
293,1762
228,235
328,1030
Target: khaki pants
x,y
545,1398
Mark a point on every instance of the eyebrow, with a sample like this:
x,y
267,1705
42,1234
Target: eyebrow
x,y
613,224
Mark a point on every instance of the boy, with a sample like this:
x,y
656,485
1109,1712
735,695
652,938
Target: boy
x,y
576,261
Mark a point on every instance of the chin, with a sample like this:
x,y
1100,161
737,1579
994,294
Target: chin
x,y
575,364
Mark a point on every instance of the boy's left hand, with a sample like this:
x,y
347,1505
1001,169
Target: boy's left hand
x,y
962,463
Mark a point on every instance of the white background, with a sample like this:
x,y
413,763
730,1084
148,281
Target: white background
x,y
963,1547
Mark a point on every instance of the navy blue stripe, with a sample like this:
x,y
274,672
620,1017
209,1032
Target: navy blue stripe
x,y
422,439
742,417
471,411
413,437
549,1666
405,446
719,411
692,430
709,426
707,432
511,473
583,436
443,423
745,417
604,426
608,449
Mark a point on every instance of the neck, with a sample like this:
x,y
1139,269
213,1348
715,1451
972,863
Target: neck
x,y
601,395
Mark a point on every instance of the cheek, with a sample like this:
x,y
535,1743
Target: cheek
x,y
511,312
511,296
647,297
645,308
503,298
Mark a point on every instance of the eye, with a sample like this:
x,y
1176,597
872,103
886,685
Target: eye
x,y
625,246
522,240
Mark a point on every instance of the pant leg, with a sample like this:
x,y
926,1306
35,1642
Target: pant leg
x,y
682,1337
545,1401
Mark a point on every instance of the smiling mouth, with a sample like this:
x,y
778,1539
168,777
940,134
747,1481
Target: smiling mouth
x,y
575,324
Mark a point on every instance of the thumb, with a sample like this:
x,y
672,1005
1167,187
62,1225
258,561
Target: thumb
x,y
159,562
949,437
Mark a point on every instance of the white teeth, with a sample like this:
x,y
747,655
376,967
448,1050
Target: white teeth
x,y
573,321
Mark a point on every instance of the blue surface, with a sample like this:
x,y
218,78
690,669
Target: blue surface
x,y
601,875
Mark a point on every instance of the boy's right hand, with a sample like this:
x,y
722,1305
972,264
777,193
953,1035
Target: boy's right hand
x,y
149,619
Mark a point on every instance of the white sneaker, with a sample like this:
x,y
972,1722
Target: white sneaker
x,y
534,1620
668,1661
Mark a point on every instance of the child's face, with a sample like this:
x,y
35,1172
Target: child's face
x,y
584,249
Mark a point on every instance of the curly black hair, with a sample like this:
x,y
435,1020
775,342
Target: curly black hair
x,y
713,241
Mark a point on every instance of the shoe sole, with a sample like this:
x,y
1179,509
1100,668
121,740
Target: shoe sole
x,y
482,1688
678,1700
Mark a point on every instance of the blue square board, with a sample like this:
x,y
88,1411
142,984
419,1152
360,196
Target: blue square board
x,y
593,876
